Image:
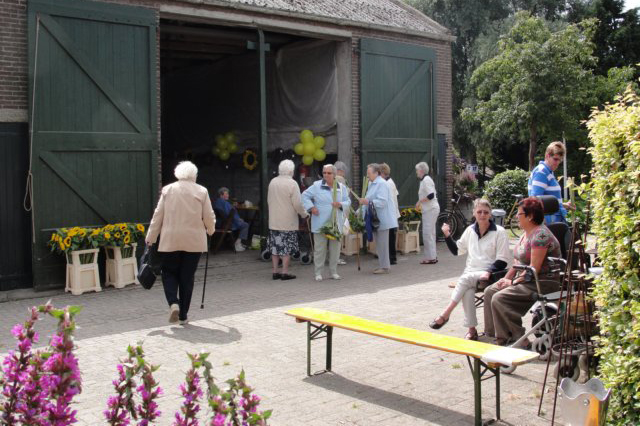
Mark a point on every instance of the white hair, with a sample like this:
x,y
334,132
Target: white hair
x,y
286,168
341,166
423,167
186,170
332,167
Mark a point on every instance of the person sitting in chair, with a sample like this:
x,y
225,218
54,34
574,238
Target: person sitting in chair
x,y
487,246
223,205
506,301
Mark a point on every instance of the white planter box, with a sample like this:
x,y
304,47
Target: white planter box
x,y
121,270
82,272
407,242
351,243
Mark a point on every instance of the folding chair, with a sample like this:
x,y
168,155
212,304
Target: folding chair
x,y
224,232
482,285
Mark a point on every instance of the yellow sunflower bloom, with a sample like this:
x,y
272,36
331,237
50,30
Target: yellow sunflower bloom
x,y
140,227
82,232
117,235
123,226
127,239
53,237
107,235
67,241
61,244
109,228
72,233
127,232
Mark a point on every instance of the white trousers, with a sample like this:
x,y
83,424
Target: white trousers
x,y
465,291
320,243
429,218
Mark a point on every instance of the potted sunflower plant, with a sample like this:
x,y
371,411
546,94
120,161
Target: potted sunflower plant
x,y
408,239
120,242
80,247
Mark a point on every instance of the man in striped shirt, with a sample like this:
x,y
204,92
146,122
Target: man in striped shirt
x,y
543,182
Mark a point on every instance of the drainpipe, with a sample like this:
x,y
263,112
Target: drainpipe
x,y
264,179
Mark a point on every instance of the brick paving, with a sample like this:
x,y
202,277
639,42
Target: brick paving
x,y
374,381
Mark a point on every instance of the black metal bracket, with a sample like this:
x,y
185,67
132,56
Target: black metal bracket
x,y
315,332
478,370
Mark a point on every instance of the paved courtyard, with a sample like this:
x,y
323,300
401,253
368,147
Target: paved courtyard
x,y
374,381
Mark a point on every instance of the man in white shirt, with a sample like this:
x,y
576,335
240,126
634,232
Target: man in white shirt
x,y
487,247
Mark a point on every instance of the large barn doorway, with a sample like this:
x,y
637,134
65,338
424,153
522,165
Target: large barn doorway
x,y
210,85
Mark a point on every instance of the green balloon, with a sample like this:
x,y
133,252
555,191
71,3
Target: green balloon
x,y
215,150
307,160
231,137
319,142
232,148
306,136
224,155
308,148
298,148
221,143
319,155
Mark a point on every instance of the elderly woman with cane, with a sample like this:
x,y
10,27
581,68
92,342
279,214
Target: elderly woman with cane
x,y
182,220
377,202
326,200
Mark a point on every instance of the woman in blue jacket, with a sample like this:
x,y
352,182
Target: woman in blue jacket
x,y
379,197
318,201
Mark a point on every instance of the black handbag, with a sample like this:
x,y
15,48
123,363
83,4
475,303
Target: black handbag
x,y
373,214
150,266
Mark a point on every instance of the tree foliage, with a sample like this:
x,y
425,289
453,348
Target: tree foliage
x,y
615,199
501,190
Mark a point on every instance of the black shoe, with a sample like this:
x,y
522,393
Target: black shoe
x,y
437,325
285,277
277,276
394,262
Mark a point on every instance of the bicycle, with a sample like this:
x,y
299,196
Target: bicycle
x,y
453,217
511,220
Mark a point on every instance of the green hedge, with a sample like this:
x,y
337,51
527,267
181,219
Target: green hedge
x,y
501,189
615,198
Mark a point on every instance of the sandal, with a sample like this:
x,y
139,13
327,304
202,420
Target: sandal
x,y
471,335
429,262
437,325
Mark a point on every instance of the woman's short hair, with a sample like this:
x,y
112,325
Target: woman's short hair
x,y
385,169
186,170
286,168
532,207
555,148
481,202
222,190
332,167
375,167
341,166
423,167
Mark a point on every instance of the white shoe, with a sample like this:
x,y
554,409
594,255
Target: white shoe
x,y
342,262
174,313
318,277
184,322
239,246
336,277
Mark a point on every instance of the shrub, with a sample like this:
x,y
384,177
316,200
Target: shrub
x,y
501,189
615,198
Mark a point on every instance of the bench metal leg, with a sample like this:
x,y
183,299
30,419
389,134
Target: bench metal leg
x,y
478,370
315,332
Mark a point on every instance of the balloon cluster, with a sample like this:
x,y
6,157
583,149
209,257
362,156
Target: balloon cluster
x,y
225,146
310,147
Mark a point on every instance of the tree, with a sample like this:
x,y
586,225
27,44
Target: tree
x,y
537,85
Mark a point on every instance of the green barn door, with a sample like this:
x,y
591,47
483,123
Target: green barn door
x,y
397,111
93,111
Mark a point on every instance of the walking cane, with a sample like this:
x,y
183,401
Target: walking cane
x,y
206,267
358,250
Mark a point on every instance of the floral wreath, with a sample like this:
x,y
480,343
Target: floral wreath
x,y
249,159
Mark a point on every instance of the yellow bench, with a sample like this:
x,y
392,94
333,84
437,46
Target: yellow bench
x,y
486,357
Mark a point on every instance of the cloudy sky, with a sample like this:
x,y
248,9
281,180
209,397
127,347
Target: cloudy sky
x,y
629,4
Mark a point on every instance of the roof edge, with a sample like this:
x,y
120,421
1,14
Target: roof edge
x,y
444,35
419,14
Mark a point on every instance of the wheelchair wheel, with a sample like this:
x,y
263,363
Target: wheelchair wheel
x,y
542,345
296,255
567,368
265,255
306,259
508,370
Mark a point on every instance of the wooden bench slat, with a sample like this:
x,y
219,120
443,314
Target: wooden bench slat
x,y
486,352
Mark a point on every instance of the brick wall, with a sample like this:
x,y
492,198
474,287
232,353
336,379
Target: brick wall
x,y
13,60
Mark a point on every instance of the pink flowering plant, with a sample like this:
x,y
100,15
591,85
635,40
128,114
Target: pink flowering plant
x,y
38,386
